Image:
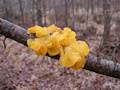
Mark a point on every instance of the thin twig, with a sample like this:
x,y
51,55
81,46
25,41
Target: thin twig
x,y
4,43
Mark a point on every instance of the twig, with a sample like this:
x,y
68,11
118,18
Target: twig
x,y
4,43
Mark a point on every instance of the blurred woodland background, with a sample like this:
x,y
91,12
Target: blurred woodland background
x,y
96,21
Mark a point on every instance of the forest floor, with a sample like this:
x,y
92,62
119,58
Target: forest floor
x,y
21,69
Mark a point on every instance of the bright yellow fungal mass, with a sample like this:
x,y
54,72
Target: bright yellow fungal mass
x,y
55,41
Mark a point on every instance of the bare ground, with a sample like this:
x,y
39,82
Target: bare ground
x,y
21,69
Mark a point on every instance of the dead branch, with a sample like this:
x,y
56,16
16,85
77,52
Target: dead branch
x,y
103,66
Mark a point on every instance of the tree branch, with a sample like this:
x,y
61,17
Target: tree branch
x,y
102,66
13,31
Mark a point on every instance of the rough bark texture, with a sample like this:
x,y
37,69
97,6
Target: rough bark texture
x,y
13,31
102,66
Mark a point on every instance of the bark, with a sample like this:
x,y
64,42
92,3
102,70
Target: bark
x,y
6,11
44,13
21,11
13,31
66,13
35,19
39,11
102,66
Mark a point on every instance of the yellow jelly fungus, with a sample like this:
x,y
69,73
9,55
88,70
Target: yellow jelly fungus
x,y
54,48
34,29
84,48
69,58
30,42
68,36
55,41
53,28
43,40
79,64
41,33
39,48
53,51
72,52
56,37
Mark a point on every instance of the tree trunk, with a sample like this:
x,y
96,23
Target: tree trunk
x,y
39,12
6,11
107,20
35,20
21,11
66,13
